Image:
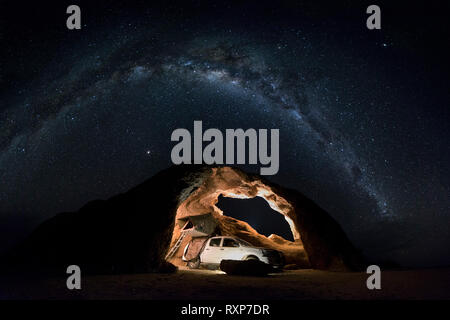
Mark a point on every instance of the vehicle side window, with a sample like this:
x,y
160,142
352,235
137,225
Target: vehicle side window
x,y
215,242
230,243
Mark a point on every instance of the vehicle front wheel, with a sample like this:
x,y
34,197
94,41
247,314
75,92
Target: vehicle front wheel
x,y
194,264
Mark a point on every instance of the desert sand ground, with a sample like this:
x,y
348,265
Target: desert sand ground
x,y
207,284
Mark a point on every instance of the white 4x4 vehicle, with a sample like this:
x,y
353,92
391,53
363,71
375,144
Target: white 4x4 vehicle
x,y
221,248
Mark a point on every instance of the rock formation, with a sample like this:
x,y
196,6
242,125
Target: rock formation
x,y
132,232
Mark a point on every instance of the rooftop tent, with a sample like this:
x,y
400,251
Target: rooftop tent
x,y
195,246
203,225
191,230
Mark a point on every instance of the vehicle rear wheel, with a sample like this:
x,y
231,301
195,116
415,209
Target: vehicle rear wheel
x,y
251,258
194,264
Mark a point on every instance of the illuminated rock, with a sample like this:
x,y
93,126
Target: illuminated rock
x,y
132,232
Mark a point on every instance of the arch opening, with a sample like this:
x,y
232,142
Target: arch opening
x,y
258,214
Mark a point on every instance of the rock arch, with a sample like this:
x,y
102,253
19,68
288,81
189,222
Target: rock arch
x,y
324,243
233,183
132,232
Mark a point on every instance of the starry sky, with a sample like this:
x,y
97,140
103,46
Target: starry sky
x,y
258,214
363,115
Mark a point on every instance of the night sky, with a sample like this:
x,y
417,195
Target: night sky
x,y
258,214
363,115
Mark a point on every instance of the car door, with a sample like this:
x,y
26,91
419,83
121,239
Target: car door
x,y
231,250
212,251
